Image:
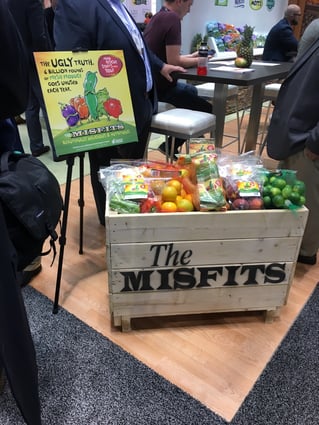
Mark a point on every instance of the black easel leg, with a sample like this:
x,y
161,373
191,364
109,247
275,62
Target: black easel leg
x,y
81,200
62,239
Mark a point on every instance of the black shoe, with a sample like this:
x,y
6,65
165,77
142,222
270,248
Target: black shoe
x,y
19,120
27,276
307,260
161,148
41,151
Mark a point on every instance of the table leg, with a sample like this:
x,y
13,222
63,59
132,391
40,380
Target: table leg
x,y
219,110
251,136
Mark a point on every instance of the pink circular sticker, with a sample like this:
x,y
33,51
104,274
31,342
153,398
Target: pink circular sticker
x,y
109,65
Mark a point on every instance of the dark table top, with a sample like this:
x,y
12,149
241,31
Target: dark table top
x,y
259,74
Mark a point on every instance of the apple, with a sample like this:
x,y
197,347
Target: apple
x,y
240,204
256,203
241,62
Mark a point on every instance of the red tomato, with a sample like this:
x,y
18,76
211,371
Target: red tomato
x,y
83,111
113,107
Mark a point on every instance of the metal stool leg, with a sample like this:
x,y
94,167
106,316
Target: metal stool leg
x,y
264,130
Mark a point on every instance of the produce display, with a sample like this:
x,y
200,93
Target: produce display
x,y
228,36
281,189
200,181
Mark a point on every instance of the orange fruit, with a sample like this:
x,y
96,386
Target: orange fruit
x,y
189,197
175,183
183,193
185,205
168,207
169,194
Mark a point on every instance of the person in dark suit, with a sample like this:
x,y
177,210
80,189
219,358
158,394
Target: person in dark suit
x,y
30,19
281,45
293,138
309,36
17,355
107,25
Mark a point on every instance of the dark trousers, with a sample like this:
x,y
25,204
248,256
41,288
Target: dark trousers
x,y
35,103
17,355
10,137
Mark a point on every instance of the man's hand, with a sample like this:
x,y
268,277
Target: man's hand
x,y
310,155
168,69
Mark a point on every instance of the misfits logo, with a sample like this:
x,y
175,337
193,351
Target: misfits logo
x,y
171,270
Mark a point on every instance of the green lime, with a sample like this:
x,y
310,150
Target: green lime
x,y
294,198
299,186
302,200
271,179
267,201
274,191
278,201
279,182
286,191
267,190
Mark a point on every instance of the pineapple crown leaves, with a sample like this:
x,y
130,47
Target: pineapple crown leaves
x,y
247,35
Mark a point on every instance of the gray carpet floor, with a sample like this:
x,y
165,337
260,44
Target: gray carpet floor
x,y
287,391
86,379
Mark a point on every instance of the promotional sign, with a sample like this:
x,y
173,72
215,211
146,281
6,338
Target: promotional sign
x,y
138,8
87,98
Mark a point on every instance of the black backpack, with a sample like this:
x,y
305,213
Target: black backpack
x,y
32,204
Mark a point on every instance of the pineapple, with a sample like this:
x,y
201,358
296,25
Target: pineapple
x,y
245,47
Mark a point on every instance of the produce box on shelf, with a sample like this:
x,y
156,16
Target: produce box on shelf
x,y
163,264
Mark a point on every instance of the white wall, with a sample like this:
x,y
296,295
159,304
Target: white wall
x,y
204,11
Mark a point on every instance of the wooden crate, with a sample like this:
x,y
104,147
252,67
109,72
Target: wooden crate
x,y
190,263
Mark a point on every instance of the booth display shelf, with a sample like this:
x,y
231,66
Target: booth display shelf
x,y
165,264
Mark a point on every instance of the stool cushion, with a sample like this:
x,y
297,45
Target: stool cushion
x,y
272,90
184,123
208,90
164,106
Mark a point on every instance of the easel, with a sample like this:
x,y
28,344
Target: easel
x,y
62,239
97,67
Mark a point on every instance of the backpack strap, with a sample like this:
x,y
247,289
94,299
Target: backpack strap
x,y
52,248
4,160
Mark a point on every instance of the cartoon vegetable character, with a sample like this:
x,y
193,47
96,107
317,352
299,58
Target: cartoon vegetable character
x,y
113,107
70,114
90,94
80,106
102,96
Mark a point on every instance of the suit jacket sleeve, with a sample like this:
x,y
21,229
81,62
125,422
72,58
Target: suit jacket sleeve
x,y
295,121
73,32
38,27
14,85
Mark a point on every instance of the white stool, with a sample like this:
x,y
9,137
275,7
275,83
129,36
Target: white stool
x,y
270,94
207,91
182,123
164,106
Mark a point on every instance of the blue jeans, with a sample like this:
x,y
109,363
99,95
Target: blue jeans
x,y
184,96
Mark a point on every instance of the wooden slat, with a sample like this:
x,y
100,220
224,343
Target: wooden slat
x,y
204,226
230,251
